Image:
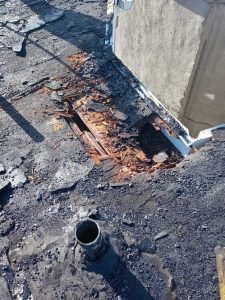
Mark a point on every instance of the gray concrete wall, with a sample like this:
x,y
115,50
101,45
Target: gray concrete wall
x,y
168,46
205,104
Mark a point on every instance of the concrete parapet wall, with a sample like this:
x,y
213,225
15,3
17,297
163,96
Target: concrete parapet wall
x,y
176,48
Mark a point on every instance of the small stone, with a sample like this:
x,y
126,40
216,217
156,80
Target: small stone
x,y
160,157
128,239
22,290
54,96
204,227
146,245
127,221
161,235
93,212
16,177
101,186
120,115
38,196
17,46
65,85
54,85
2,168
34,227
13,40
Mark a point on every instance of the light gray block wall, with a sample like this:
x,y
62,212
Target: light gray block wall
x,y
176,48
205,104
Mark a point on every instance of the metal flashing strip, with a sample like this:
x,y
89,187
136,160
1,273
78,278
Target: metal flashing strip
x,y
111,23
205,136
107,35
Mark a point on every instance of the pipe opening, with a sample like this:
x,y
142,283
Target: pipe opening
x,y
87,231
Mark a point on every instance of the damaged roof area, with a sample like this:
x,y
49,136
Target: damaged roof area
x,y
113,123
78,142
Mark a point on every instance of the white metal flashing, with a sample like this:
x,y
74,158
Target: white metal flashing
x,y
179,143
107,37
112,13
205,136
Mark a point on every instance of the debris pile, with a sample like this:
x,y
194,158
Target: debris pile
x,y
104,126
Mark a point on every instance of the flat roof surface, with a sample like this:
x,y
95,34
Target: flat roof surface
x,y
162,227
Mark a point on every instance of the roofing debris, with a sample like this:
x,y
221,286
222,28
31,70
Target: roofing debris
x,y
14,28
124,147
68,174
35,22
161,235
16,177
